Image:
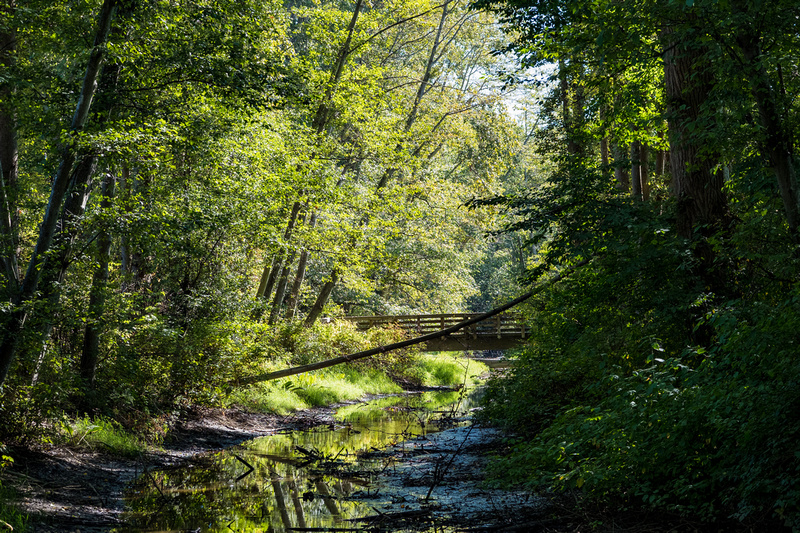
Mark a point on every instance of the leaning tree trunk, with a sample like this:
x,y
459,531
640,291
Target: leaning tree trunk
x,y
57,264
322,299
14,326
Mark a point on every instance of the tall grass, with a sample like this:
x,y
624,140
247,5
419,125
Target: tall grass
x,y
345,382
101,434
446,370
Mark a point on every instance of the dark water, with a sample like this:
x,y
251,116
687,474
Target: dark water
x,y
298,481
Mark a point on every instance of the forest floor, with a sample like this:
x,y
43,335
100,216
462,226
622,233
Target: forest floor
x,y
65,489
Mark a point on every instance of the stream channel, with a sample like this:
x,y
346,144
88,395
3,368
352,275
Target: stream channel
x,y
402,463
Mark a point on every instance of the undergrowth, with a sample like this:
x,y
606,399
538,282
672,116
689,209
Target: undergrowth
x,y
645,390
11,518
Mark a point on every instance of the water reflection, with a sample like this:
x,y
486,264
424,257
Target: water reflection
x,y
297,481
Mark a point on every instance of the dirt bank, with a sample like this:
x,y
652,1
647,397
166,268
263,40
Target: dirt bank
x,y
73,490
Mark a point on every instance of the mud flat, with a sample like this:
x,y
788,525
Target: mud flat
x,y
435,484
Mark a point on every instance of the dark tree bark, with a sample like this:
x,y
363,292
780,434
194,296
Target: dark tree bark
x,y
9,155
322,299
604,144
697,186
778,142
621,177
636,170
97,295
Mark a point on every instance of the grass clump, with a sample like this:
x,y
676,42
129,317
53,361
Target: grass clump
x,y
351,381
445,370
323,387
101,434
11,518
379,374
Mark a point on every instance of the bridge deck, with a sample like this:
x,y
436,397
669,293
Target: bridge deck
x,y
496,333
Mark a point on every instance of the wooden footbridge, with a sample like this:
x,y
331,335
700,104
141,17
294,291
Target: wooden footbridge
x,y
498,332
496,329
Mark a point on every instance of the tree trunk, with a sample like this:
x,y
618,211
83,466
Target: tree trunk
x,y
270,275
322,299
294,296
636,183
778,143
58,263
604,144
131,261
566,109
58,191
698,187
661,158
422,90
280,289
621,177
9,156
321,118
97,294
644,171
322,115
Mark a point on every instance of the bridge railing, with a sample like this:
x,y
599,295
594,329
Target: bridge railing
x,y
500,326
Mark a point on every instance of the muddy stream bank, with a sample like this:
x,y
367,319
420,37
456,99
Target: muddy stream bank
x,y
404,463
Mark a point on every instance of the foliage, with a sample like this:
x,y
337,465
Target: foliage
x,y
703,433
645,382
658,373
10,517
445,370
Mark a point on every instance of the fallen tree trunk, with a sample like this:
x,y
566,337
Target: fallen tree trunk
x,y
402,344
